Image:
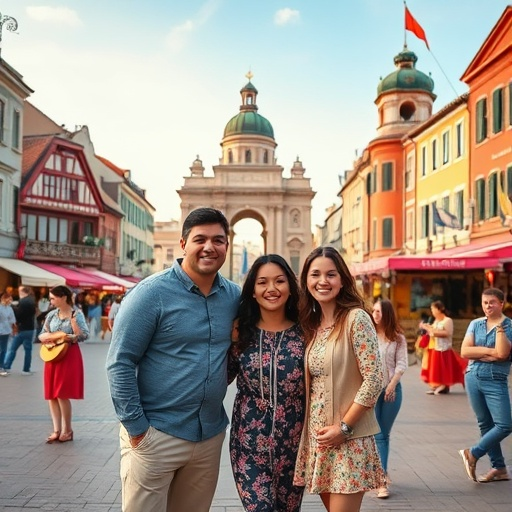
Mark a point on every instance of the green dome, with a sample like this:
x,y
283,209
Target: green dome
x,y
406,76
249,122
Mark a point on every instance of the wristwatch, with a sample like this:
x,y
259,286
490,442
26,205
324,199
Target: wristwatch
x,y
346,430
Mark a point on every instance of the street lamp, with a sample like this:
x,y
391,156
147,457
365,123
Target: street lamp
x,y
10,24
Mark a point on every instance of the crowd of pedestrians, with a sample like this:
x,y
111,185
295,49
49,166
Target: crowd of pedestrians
x,y
318,376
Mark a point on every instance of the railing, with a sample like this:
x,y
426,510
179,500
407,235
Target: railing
x,y
62,253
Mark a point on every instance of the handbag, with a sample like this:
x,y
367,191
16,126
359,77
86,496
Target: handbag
x,y
423,341
54,351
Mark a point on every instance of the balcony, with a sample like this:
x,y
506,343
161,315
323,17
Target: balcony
x,y
78,254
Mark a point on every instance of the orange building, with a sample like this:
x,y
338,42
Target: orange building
x,y
489,78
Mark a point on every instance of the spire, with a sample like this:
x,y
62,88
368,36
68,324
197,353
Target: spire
x,y
249,94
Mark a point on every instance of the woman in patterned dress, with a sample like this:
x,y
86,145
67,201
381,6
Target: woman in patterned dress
x,y
338,457
268,360
63,379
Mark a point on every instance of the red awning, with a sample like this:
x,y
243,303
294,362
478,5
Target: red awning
x,y
76,279
440,263
426,262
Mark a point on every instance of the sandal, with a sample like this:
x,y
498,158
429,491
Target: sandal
x,y
383,493
494,475
468,465
54,436
66,436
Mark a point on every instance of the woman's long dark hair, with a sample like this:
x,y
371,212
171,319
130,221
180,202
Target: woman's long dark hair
x,y
390,325
310,312
249,311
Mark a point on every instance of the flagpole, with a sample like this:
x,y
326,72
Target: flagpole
x,y
405,30
445,75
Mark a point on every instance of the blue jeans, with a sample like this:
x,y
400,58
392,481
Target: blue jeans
x,y
25,338
490,401
386,413
4,338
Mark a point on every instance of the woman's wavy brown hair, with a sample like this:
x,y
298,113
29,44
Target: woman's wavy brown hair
x,y
310,313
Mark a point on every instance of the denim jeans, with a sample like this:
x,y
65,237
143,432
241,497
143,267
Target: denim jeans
x,y
386,413
4,338
25,338
489,398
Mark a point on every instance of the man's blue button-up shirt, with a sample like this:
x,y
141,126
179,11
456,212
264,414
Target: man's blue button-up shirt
x,y
167,360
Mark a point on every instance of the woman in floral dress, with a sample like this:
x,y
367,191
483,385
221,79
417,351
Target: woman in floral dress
x,y
338,457
267,358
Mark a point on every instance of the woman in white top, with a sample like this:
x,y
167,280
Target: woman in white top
x,y
444,367
7,326
393,352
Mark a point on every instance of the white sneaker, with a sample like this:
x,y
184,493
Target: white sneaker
x,y
5,373
26,373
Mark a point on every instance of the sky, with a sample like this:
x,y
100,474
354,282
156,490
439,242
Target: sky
x,y
156,81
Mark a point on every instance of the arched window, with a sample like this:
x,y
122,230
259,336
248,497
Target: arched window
x,y
248,156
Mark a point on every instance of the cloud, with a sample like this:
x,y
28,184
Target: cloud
x,y
286,16
178,36
60,15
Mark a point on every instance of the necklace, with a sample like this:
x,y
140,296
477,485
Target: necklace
x,y
272,372
272,387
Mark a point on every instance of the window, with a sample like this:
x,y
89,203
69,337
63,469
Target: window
x,y
508,186
493,195
459,206
230,157
408,173
170,254
409,225
481,120
2,200
371,182
16,119
446,147
424,161
445,203
497,111
434,154
425,221
387,233
387,176
265,156
510,103
248,156
407,110
460,140
480,199
2,119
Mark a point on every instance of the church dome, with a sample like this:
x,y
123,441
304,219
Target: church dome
x,y
406,76
248,121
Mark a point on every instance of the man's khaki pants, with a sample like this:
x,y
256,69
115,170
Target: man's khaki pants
x,y
168,474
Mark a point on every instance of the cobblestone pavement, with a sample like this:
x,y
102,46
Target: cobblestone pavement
x,y
425,468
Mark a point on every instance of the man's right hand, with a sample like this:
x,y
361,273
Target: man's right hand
x,y
136,440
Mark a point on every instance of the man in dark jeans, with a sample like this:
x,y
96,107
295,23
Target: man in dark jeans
x,y
26,322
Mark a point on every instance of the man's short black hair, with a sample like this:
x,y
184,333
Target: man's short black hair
x,y
202,216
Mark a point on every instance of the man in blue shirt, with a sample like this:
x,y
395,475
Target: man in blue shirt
x,y
168,375
487,344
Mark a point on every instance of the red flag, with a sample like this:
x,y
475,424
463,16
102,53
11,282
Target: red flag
x,y
413,26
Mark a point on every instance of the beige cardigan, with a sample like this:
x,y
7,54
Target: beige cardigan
x,y
344,381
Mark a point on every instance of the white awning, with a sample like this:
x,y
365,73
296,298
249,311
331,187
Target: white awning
x,y
115,279
30,274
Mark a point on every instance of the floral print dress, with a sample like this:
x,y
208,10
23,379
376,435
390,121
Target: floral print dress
x,y
354,466
267,422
